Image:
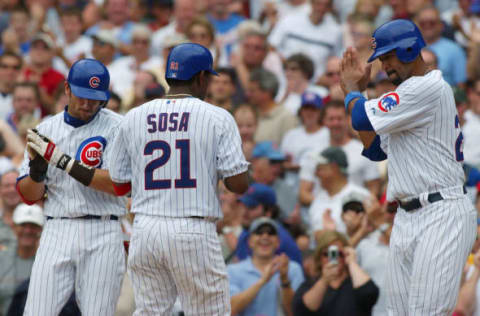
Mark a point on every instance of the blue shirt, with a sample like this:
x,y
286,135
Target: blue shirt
x,y
287,245
244,274
452,60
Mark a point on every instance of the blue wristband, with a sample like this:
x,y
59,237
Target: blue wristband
x,y
350,96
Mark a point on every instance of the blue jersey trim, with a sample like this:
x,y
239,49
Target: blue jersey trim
x,y
375,152
360,121
75,122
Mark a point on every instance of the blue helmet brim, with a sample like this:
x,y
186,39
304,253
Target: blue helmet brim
x,y
378,52
91,94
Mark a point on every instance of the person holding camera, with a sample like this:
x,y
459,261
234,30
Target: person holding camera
x,y
342,286
264,283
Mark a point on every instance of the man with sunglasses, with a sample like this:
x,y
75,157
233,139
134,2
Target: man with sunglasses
x,y
264,281
10,65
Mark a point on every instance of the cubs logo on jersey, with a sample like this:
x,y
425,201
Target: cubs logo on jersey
x,y
388,102
90,151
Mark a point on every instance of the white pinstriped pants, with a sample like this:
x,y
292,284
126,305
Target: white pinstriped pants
x,y
428,250
170,257
87,255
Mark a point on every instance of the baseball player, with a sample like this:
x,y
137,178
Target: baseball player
x,y
173,151
417,128
81,245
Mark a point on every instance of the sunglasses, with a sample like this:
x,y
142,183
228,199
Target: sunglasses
x,y
265,230
15,67
325,254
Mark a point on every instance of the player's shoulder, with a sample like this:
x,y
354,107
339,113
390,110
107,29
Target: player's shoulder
x,y
432,81
110,115
50,121
218,114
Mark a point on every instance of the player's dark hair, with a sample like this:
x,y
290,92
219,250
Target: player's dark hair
x,y
304,63
267,81
230,72
179,83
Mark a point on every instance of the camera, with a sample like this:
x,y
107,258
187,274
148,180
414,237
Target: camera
x,y
333,254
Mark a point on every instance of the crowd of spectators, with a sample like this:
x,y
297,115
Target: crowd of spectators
x,y
279,76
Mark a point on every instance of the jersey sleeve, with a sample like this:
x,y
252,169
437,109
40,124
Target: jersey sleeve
x,y
120,168
230,158
406,108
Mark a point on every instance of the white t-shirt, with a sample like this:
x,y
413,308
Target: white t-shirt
x,y
83,45
297,142
5,105
323,202
471,134
123,72
296,34
294,100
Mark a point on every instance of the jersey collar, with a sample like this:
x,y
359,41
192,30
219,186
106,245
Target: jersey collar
x,y
75,122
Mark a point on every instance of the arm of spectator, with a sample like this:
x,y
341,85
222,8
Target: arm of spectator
x,y
365,229
374,186
241,300
236,60
305,192
13,144
313,298
358,275
467,297
287,292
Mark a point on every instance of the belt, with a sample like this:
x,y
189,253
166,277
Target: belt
x,y
109,217
414,204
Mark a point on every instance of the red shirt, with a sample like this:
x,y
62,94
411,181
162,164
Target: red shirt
x,y
49,81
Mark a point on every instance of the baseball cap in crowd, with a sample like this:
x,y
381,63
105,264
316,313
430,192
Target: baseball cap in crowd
x,y
258,193
311,99
459,95
262,221
105,36
24,213
45,38
333,155
353,202
267,149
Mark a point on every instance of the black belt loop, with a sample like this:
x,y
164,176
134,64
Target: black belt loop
x,y
414,204
109,217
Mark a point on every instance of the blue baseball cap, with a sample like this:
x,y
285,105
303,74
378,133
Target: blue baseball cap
x,y
311,99
267,149
258,193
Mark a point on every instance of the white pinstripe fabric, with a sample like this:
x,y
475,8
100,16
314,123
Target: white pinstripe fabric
x,y
428,249
87,255
177,256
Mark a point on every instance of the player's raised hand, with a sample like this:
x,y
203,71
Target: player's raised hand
x,y
47,149
354,75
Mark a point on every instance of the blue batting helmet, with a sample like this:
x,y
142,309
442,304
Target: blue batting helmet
x,y
89,79
403,36
186,60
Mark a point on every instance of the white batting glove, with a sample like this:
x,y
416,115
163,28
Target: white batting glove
x,y
48,150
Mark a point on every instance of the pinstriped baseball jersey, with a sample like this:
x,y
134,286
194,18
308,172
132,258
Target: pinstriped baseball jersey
x,y
91,143
419,128
174,151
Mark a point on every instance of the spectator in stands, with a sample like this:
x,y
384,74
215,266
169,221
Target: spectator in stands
x,y
471,127
201,31
74,45
25,104
118,20
331,76
104,47
44,16
184,12
10,66
341,288
145,88
17,262
259,201
298,72
314,33
468,297
325,213
264,281
451,57
161,11
253,53
10,199
222,89
361,171
274,120
16,38
40,70
225,23
114,103
124,69
430,58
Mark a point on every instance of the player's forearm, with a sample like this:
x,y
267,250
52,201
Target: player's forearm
x,y
359,277
240,301
30,190
101,181
467,296
237,183
313,298
367,137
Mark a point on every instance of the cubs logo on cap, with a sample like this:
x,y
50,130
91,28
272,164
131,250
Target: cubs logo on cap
x,y
94,82
90,151
388,102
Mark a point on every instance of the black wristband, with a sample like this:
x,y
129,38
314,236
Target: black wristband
x,y
286,284
82,173
38,169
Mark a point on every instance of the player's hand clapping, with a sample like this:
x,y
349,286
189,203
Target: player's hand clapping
x,y
354,76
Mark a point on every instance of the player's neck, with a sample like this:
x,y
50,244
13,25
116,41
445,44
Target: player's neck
x,y
179,92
